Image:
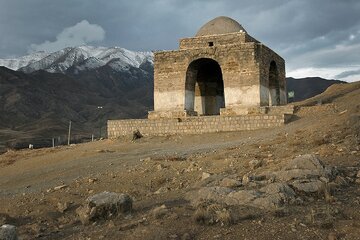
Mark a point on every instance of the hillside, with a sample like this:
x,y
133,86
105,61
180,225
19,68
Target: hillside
x,y
38,106
248,185
308,87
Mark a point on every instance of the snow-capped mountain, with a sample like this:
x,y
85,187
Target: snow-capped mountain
x,y
17,63
79,59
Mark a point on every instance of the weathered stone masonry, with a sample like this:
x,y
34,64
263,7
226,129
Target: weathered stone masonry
x,y
194,125
220,80
250,75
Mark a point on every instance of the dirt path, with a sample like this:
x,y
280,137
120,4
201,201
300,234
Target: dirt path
x,y
37,170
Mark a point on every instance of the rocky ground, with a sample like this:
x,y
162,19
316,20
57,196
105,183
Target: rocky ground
x,y
299,181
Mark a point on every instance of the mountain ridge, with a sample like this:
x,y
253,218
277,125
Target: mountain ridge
x,y
307,87
82,58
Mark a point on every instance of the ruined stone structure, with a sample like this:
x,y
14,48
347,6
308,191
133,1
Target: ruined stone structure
x,y
222,72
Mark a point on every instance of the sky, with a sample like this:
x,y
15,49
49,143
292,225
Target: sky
x,y
315,37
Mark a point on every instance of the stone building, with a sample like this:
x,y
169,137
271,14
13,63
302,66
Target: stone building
x,y
220,80
222,70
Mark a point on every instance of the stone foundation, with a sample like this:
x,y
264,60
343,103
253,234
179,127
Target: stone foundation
x,y
170,114
194,125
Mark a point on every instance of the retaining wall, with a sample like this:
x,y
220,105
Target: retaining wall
x,y
193,125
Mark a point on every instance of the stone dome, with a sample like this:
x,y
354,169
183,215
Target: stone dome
x,y
220,25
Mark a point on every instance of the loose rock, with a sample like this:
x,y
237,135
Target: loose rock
x,y
92,180
62,207
341,181
103,206
255,163
159,212
162,190
205,175
60,187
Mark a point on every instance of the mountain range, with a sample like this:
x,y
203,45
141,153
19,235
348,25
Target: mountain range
x,y
76,59
41,92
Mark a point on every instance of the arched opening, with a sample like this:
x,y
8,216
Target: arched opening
x,y
204,87
274,85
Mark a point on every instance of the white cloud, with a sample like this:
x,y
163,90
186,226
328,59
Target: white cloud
x,y
80,34
349,74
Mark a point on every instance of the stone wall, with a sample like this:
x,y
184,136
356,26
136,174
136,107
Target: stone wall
x,y
194,125
215,40
266,56
240,72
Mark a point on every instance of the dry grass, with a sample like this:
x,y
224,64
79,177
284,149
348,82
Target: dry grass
x,y
211,213
326,192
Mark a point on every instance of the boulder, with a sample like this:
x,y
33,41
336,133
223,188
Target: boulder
x,y
269,197
247,178
293,174
308,162
242,197
308,186
306,166
278,188
104,205
274,195
230,183
8,232
215,194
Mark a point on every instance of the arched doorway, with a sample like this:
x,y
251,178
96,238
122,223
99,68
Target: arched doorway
x,y
274,85
204,87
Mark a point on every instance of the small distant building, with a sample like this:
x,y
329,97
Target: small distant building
x,y
220,80
222,70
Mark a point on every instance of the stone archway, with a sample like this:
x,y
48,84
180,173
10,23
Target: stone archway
x,y
204,87
274,85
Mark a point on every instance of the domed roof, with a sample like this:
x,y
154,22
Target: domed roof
x,y
220,25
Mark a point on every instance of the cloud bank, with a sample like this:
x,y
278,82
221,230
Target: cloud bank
x,y
80,34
